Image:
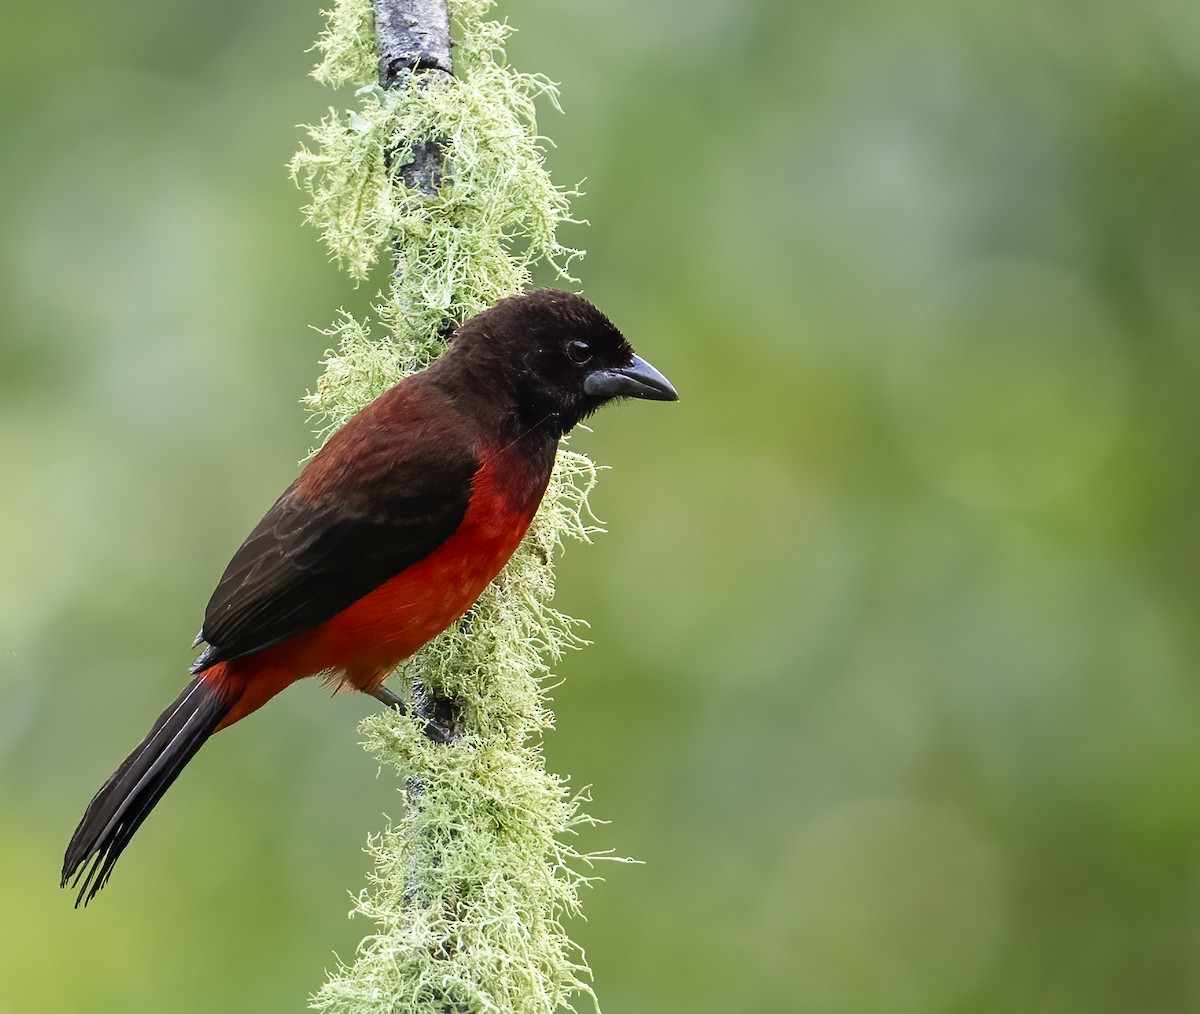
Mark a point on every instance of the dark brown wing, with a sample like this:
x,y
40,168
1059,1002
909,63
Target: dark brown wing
x,y
368,506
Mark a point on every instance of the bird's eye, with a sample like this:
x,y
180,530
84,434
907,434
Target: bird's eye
x,y
579,352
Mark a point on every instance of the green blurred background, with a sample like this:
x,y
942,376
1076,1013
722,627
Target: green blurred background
x,y
894,683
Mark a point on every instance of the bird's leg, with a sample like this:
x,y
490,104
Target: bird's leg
x,y
385,696
438,731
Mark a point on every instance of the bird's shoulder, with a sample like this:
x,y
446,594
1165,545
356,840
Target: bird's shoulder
x,y
411,436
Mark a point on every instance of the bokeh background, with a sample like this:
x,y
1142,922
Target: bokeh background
x,y
894,683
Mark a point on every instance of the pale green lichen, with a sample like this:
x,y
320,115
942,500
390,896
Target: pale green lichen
x,y
474,239
347,45
471,887
360,367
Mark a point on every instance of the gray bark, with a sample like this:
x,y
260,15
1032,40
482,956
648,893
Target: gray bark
x,y
412,35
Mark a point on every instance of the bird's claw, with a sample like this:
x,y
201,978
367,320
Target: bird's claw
x,y
440,733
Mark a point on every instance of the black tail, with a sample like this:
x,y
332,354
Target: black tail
x,y
127,798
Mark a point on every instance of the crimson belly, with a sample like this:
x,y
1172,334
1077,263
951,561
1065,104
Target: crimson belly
x,y
363,643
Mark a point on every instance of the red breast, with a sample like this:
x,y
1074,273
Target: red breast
x,y
364,642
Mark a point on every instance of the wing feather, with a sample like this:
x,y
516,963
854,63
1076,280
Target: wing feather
x,y
367,507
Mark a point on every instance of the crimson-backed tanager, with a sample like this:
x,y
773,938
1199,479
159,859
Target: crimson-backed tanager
x,y
388,536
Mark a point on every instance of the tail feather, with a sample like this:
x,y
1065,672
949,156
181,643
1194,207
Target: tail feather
x,y
127,798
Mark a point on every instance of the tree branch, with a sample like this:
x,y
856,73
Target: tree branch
x,y
471,888
414,36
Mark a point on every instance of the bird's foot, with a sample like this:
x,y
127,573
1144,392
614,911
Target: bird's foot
x,y
436,730
440,714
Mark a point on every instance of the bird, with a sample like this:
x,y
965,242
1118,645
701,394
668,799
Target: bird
x,y
386,538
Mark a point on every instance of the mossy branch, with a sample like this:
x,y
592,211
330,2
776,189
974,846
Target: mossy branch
x,y
471,888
